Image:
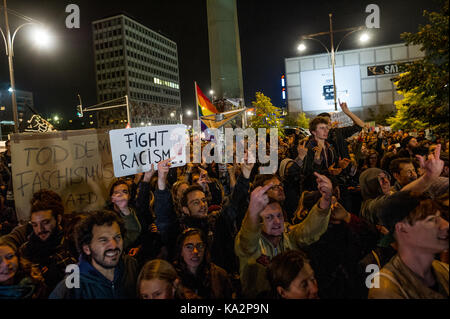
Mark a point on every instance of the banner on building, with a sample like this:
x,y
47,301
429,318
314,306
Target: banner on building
x,y
77,165
135,149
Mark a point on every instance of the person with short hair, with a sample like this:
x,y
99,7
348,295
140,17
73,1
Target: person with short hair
x,y
46,245
263,234
105,271
404,172
415,222
291,277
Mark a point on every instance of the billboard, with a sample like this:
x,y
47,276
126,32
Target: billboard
x,y
317,88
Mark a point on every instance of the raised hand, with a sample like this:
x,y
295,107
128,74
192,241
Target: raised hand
x,y
148,175
334,171
302,150
343,106
434,165
339,213
259,199
325,188
343,163
318,150
163,170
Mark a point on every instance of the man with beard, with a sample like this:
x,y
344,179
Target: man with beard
x,y
46,243
105,273
415,222
403,171
220,227
408,143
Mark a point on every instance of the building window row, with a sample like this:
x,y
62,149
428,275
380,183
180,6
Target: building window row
x,y
112,85
107,24
150,61
109,55
148,51
108,34
110,75
153,98
145,87
150,44
109,65
149,33
109,44
150,70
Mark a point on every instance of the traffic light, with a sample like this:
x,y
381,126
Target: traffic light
x,y
79,111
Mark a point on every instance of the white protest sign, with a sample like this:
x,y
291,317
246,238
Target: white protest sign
x,y
342,119
76,165
135,149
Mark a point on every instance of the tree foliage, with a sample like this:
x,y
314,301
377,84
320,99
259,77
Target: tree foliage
x,y
426,80
299,120
401,120
266,114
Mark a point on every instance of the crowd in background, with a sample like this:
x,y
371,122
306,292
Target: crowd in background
x,y
341,201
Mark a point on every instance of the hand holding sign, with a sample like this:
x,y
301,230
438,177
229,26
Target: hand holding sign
x,y
163,170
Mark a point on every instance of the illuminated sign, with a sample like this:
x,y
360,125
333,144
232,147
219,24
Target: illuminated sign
x,y
318,91
392,68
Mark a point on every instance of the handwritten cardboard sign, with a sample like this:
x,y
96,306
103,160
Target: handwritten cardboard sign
x,y
341,118
75,164
135,149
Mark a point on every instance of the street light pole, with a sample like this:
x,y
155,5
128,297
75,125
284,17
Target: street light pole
x,y
332,52
9,52
333,61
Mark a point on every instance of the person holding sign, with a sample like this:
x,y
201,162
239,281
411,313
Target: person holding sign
x,y
337,136
262,235
120,193
220,227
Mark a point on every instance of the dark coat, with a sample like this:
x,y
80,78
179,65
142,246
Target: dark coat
x,y
93,285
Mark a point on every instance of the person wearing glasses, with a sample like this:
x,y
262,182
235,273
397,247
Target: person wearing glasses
x,y
198,275
220,227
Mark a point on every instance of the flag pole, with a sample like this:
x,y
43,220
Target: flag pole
x,y
196,100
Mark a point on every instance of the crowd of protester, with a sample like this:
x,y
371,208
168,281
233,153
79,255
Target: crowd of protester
x,y
342,201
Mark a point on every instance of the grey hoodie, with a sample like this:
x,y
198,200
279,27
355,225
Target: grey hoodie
x,y
372,194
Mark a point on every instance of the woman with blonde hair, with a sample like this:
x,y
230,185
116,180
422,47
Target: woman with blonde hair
x,y
158,279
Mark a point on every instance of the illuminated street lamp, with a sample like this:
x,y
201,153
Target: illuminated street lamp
x,y
363,38
189,112
40,36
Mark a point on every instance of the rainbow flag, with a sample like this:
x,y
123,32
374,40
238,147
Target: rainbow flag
x,y
205,107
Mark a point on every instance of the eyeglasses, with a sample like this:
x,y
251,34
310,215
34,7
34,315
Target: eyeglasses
x,y
199,247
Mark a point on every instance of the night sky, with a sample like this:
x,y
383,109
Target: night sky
x,y
269,33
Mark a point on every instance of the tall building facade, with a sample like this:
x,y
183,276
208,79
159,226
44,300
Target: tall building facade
x,y
133,60
224,49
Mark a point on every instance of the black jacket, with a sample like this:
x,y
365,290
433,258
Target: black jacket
x,y
220,228
93,285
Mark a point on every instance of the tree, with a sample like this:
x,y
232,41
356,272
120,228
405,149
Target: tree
x,y
300,120
266,114
401,120
380,117
426,80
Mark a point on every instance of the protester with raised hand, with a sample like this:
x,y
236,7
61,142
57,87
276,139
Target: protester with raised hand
x,y
376,187
262,235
